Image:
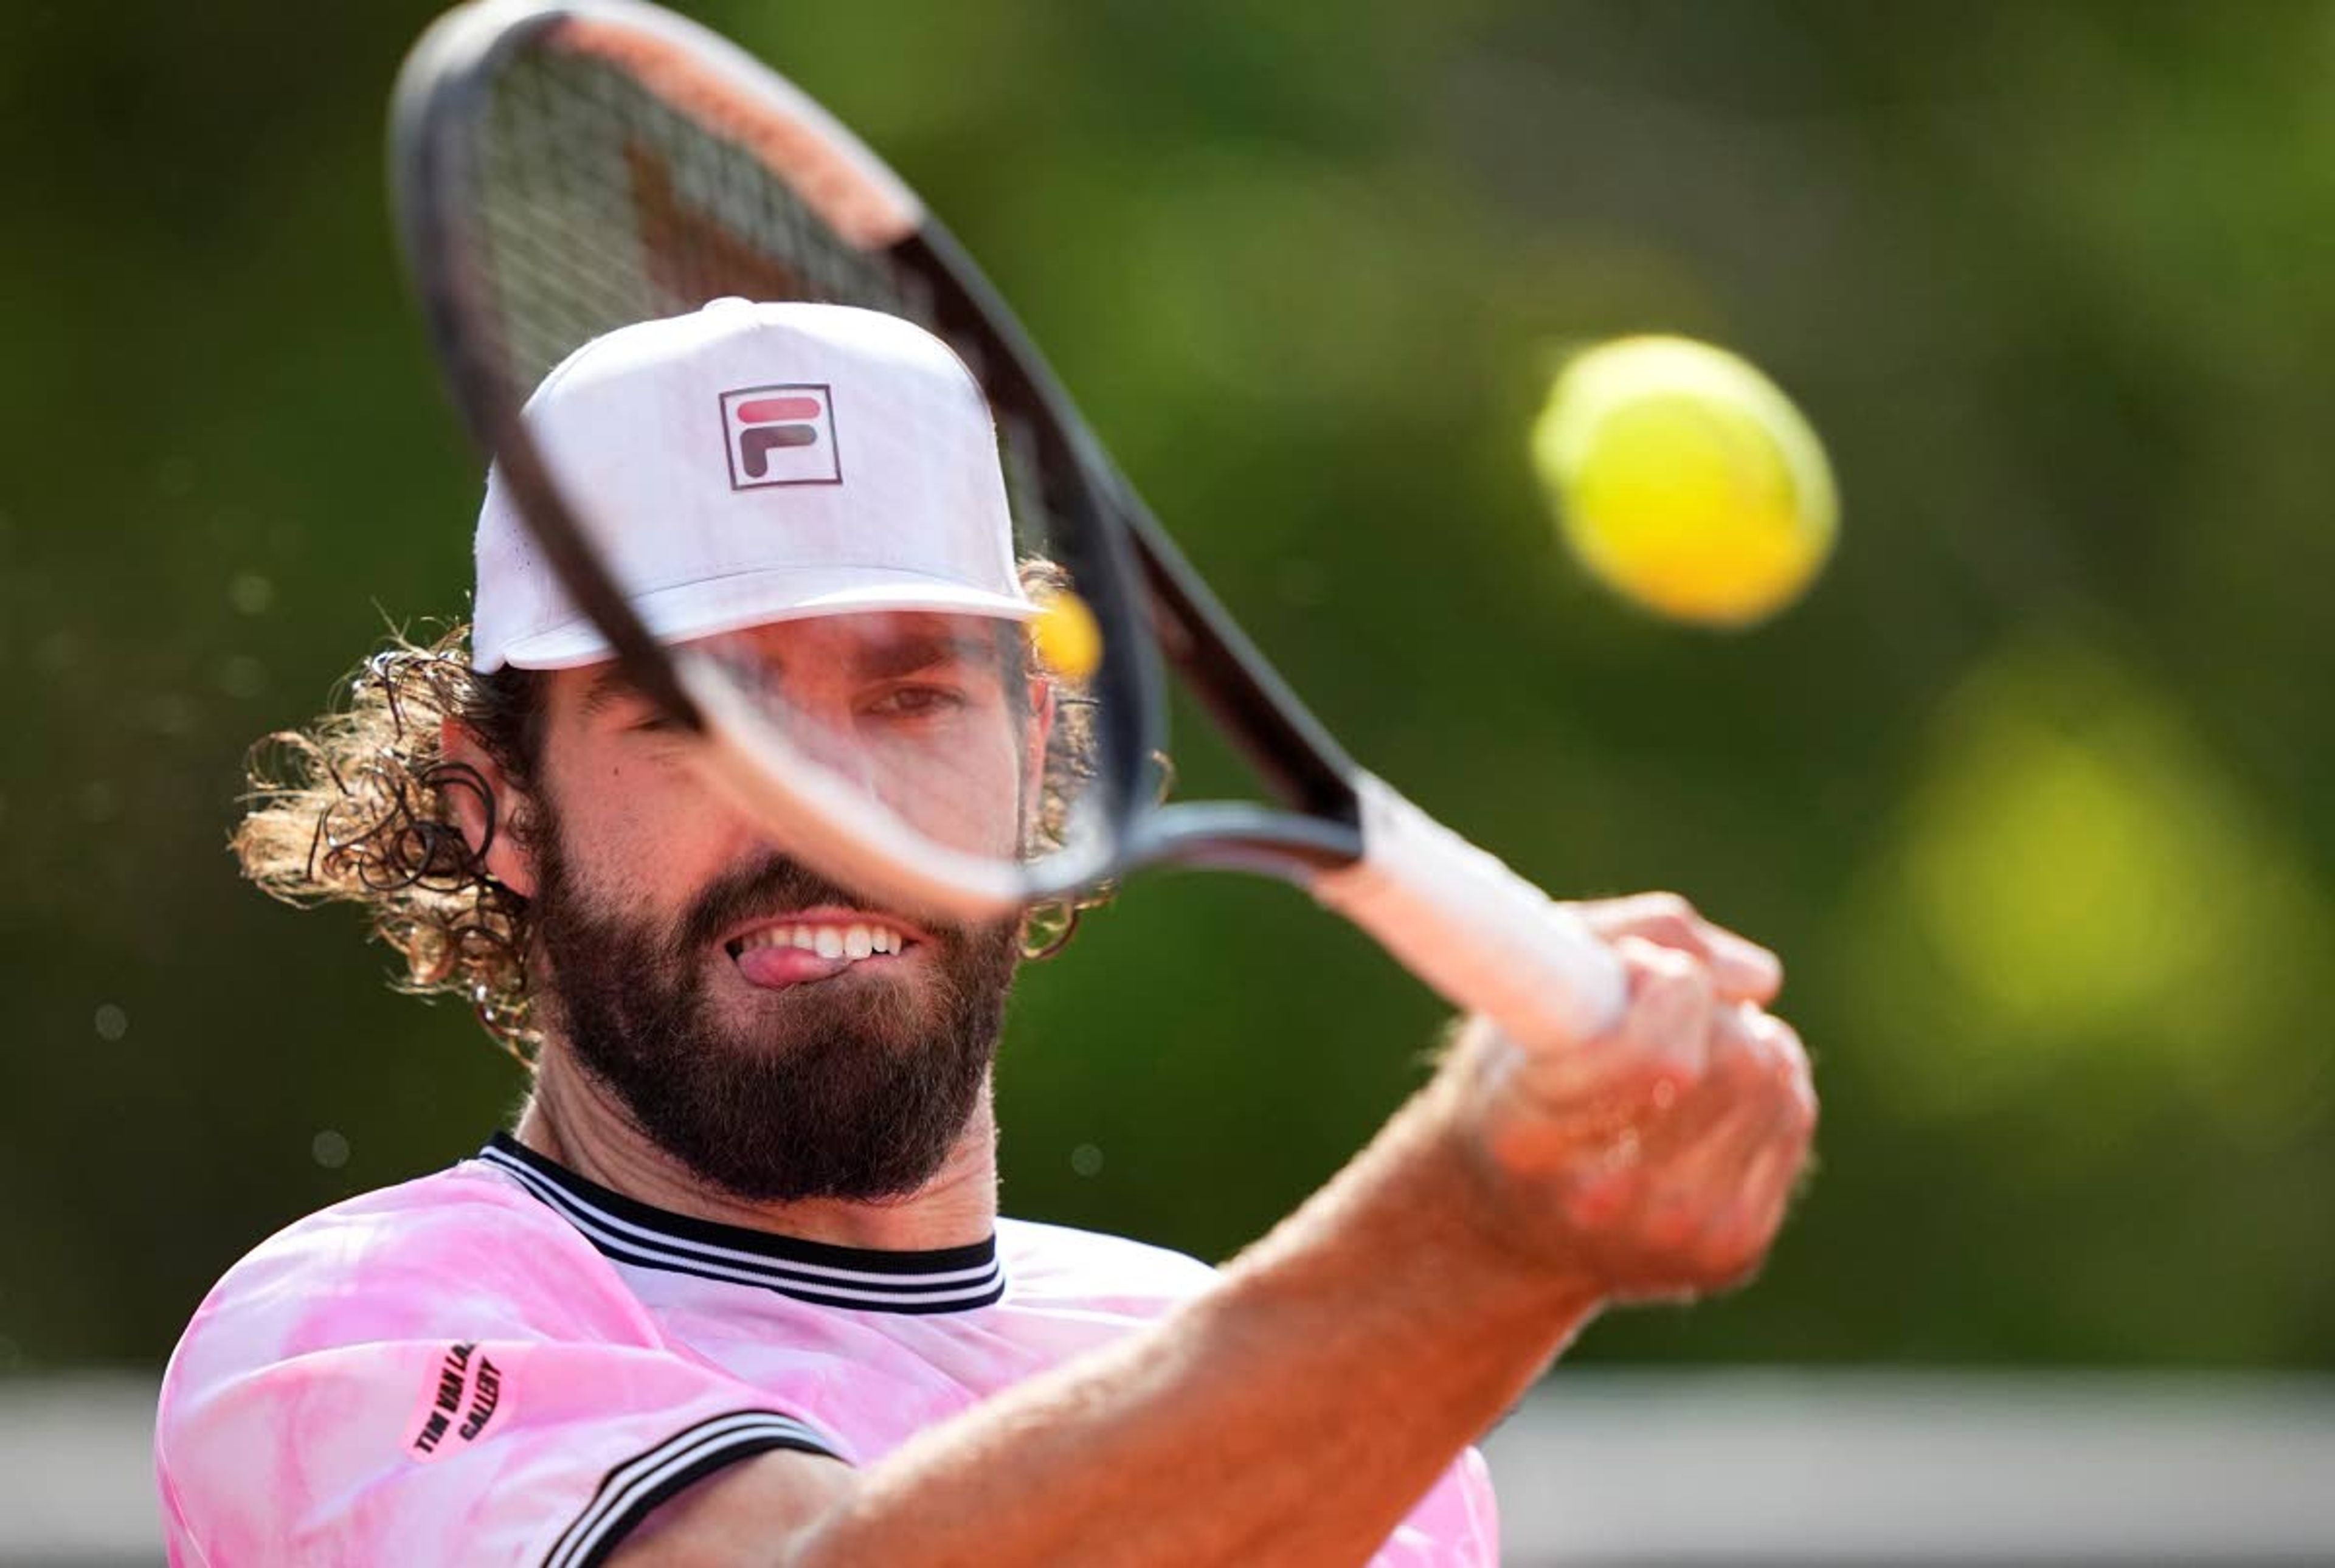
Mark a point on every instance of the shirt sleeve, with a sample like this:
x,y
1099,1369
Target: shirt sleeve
x,y
1456,1525
471,1384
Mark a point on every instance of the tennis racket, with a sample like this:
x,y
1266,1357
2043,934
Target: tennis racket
x,y
560,170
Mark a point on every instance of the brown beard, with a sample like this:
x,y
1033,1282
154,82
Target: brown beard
x,y
857,1092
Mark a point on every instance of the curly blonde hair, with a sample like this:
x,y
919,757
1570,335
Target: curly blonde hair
x,y
358,806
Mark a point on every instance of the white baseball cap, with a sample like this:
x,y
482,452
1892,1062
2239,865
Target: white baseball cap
x,y
752,462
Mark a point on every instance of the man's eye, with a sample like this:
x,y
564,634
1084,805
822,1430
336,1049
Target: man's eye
x,y
656,722
917,701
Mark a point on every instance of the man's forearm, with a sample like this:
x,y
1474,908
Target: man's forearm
x,y
1295,1413
1293,1416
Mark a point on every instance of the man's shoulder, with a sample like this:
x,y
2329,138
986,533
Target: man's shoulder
x,y
1063,1261
430,1224
461,1246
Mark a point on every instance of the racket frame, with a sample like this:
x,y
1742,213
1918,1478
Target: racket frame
x,y
442,95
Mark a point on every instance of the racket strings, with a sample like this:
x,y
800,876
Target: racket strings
x,y
598,200
602,204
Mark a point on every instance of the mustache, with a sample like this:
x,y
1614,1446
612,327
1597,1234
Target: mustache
x,y
771,885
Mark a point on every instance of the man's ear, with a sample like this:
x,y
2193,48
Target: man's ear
x,y
1041,731
485,813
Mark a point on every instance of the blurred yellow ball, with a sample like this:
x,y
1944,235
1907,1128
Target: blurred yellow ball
x,y
1685,480
1068,641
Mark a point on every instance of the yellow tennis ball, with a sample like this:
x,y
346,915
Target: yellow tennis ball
x,y
1068,639
1685,480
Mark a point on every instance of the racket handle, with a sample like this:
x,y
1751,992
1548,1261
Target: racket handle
x,y
1485,938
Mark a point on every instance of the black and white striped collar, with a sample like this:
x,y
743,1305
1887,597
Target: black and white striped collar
x,y
863,1279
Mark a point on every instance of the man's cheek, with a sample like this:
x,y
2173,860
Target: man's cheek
x,y
639,846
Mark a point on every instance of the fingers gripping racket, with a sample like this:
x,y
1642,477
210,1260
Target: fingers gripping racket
x,y
562,171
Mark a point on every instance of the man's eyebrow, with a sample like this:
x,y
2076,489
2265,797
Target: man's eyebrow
x,y
877,660
921,651
611,685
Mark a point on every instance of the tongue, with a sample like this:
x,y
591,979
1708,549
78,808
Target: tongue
x,y
777,966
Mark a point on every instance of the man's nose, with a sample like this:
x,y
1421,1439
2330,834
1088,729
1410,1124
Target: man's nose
x,y
828,742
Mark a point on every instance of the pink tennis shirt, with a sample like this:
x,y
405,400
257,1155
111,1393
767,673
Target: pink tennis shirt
x,y
505,1363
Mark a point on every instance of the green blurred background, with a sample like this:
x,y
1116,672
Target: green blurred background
x,y
2030,792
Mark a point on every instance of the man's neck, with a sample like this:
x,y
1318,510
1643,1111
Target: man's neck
x,y
573,1120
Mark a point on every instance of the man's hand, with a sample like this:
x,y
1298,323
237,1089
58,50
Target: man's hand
x,y
1656,1160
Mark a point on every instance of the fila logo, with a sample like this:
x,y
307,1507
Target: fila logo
x,y
780,435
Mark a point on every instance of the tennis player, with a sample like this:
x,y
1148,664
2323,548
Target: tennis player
x,y
734,1287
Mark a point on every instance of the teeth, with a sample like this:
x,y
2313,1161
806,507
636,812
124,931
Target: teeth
x,y
853,942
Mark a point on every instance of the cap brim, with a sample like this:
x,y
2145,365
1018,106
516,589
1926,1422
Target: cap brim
x,y
709,608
